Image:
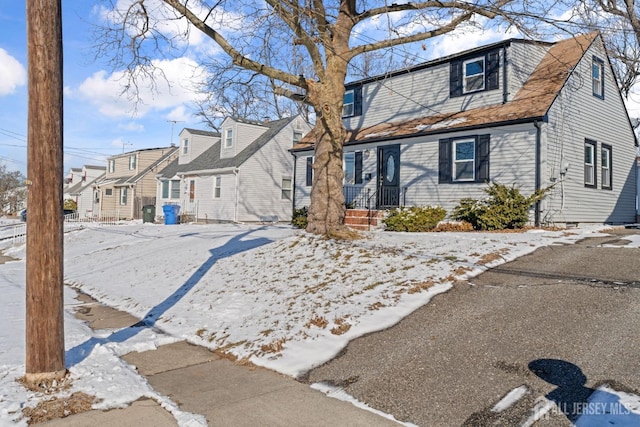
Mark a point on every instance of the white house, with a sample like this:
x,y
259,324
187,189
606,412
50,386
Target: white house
x,y
533,114
79,188
243,174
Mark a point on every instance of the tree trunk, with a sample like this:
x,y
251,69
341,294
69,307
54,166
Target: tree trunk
x,y
44,294
327,208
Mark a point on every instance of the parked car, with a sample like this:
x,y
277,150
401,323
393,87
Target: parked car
x,y
23,214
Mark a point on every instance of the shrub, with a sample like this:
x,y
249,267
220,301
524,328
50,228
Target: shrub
x,y
454,226
299,218
504,208
414,219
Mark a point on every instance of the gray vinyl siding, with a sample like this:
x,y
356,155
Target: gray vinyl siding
x,y
512,154
260,186
522,59
417,94
197,145
243,135
577,115
211,209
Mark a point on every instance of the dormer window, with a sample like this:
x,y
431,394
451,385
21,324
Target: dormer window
x,y
228,139
185,146
473,79
112,166
352,102
474,74
297,136
132,162
347,105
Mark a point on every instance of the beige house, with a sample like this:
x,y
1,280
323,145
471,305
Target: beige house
x,y
130,183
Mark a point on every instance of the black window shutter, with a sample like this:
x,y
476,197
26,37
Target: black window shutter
x,y
357,101
444,164
358,167
455,79
493,70
482,158
309,171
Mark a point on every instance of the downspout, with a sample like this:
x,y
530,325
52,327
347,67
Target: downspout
x,y
538,172
505,89
293,196
236,171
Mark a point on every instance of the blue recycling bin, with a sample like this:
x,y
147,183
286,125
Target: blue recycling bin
x,y
170,214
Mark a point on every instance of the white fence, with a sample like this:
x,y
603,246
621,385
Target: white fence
x,y
18,233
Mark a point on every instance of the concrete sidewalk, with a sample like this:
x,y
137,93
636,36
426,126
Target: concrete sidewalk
x,y
225,393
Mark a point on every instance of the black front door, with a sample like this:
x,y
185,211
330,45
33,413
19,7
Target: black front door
x,y
389,176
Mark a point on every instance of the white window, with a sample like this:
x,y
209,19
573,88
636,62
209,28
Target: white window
x,y
297,136
589,163
597,77
185,146
175,188
132,162
112,166
217,186
349,168
123,196
473,78
464,160
171,189
286,188
348,103
228,140
605,161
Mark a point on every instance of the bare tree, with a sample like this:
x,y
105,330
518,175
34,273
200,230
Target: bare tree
x,y
619,23
303,49
13,192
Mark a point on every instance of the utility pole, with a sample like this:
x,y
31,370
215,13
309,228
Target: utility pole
x,y
44,299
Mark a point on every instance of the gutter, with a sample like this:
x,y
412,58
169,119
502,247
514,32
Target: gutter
x,y
538,171
442,131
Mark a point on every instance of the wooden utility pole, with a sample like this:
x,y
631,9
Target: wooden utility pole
x,y
45,325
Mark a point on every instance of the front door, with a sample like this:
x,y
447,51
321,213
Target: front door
x,y
388,176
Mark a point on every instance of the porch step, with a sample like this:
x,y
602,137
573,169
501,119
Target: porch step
x,y
363,219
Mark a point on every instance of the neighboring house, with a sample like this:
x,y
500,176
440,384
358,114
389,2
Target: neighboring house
x,y
79,188
129,182
533,114
243,174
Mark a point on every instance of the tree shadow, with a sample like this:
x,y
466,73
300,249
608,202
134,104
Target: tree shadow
x,y
583,406
234,246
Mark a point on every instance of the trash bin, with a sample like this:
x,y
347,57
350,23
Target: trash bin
x,y
170,214
148,213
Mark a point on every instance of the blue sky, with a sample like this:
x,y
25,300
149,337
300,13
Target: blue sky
x,y
97,123
100,123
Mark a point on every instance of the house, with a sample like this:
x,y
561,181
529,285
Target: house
x,y
243,174
129,182
533,114
79,188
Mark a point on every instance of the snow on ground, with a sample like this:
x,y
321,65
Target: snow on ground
x,y
276,296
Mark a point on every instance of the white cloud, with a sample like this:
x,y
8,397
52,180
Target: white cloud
x,y
174,83
131,126
12,72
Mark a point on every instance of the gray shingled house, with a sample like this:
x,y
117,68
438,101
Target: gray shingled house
x,y
531,114
243,174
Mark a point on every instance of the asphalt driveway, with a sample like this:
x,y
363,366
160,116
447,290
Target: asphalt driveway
x,y
559,322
